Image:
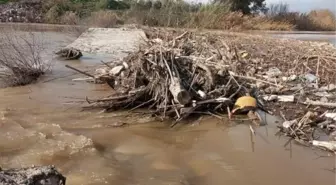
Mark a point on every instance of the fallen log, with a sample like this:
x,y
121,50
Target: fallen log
x,y
42,175
84,73
179,93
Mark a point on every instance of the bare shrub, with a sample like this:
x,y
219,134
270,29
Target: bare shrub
x,y
70,18
170,13
238,21
20,59
52,15
104,19
278,10
210,16
264,23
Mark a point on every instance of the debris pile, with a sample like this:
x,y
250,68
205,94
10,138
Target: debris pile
x,y
312,129
43,175
69,53
176,74
174,77
22,11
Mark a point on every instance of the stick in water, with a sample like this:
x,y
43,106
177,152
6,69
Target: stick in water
x,y
252,133
82,72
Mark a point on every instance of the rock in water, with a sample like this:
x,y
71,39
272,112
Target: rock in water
x,y
43,175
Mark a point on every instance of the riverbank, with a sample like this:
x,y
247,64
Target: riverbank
x,y
44,27
42,124
41,27
213,71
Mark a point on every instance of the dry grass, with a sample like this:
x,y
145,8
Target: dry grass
x,y
104,19
20,59
70,18
182,14
323,19
178,14
316,20
312,21
238,21
208,20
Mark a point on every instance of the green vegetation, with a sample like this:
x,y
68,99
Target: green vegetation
x,y
3,1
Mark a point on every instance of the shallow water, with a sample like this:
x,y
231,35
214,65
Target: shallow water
x,y
331,38
42,124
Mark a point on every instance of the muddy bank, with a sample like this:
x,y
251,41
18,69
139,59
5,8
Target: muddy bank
x,y
112,41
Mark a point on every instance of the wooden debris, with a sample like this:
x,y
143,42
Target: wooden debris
x,y
88,79
319,103
331,115
83,72
170,79
280,98
329,145
69,53
178,74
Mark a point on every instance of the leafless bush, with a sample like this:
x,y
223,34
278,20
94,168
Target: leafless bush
x,y
105,19
70,18
276,10
20,59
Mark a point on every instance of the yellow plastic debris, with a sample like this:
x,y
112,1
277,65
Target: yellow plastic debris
x,y
244,55
245,102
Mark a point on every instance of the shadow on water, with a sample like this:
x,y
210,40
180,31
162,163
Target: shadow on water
x,y
42,124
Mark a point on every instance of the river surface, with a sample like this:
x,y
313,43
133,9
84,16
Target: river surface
x,y
331,38
43,124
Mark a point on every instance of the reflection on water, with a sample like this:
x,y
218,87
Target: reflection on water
x,y
41,124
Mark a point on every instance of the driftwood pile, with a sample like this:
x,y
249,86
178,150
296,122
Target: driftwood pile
x,y
175,77
177,74
43,175
312,129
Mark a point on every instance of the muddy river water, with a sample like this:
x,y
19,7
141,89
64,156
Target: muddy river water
x,y
43,124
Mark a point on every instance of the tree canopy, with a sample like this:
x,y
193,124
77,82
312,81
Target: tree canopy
x,y
245,6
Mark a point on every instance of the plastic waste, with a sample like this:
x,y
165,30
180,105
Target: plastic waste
x,y
273,72
310,77
330,145
245,102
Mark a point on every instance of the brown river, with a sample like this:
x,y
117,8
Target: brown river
x,y
43,124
